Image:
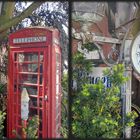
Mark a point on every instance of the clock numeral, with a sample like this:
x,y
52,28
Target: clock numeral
x,y
138,62
138,53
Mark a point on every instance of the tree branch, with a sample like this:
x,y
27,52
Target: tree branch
x,y
19,18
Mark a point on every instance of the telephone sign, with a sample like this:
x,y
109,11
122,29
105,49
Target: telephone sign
x,y
29,39
34,81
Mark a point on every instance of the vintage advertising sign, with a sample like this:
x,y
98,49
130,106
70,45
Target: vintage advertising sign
x,y
97,74
94,76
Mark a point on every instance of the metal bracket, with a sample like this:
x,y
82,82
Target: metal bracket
x,y
94,38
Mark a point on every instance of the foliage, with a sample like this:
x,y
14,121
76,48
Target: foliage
x,y
135,129
2,118
3,97
130,117
116,75
3,103
58,15
65,82
96,110
4,63
32,127
80,67
51,14
7,18
46,15
89,46
64,125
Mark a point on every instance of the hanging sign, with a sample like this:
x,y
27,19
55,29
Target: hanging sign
x,y
24,104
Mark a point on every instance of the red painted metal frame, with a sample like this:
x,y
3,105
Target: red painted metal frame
x,y
49,48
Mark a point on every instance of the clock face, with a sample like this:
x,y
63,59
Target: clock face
x,y
135,53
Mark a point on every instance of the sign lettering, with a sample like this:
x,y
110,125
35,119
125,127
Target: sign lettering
x,y
93,77
30,39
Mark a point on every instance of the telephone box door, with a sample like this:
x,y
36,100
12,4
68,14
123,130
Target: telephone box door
x,y
28,74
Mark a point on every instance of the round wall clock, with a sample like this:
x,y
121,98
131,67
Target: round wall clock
x,y
135,53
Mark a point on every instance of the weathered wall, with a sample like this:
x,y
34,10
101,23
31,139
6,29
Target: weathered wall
x,y
100,28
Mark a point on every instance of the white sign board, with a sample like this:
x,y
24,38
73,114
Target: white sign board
x,y
30,39
95,76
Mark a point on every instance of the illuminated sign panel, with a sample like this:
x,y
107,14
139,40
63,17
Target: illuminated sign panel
x,y
30,39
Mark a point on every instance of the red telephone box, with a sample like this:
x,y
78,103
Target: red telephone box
x,y
34,81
